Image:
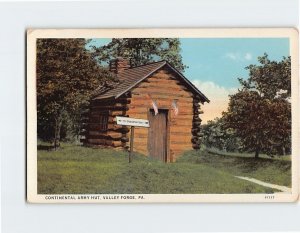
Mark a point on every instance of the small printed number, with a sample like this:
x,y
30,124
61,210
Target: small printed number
x,y
270,197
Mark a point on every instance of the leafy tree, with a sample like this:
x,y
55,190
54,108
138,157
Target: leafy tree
x,y
216,135
271,79
66,78
260,113
141,51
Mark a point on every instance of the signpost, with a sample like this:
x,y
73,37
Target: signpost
x,y
133,122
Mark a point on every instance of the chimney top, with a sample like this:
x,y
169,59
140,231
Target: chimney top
x,y
119,64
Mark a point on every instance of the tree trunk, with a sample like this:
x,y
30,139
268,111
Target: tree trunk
x,y
58,124
257,153
283,151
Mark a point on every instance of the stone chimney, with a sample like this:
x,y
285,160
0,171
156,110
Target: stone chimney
x,y
118,65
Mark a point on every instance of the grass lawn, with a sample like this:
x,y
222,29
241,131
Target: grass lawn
x,y
80,170
271,170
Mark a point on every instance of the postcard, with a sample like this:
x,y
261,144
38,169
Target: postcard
x,y
162,115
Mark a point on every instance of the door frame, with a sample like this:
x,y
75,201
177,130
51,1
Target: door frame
x,y
167,110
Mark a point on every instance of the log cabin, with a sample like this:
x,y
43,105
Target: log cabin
x,y
157,92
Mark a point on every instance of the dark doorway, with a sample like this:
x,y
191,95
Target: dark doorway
x,y
157,140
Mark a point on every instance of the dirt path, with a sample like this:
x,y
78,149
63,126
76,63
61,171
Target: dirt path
x,y
274,186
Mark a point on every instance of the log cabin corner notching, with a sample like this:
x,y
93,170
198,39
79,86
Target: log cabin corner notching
x,y
169,134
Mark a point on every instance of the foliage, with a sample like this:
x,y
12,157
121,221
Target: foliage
x,y
66,78
260,112
216,135
271,79
141,51
76,169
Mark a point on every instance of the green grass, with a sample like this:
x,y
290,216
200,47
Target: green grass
x,y
247,155
272,170
80,170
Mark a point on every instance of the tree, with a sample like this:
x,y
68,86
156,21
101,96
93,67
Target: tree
x,y
217,136
66,78
260,112
141,51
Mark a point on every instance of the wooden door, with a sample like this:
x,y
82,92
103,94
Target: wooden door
x,y
157,139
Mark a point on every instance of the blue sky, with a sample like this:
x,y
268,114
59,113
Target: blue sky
x,y
222,61
216,63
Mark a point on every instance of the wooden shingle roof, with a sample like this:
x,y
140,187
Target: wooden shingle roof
x,y
131,77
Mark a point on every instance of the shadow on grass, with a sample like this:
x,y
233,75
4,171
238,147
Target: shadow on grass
x,y
50,147
239,165
45,147
249,164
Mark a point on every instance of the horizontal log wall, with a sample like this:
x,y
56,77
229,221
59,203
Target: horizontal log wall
x,y
163,87
114,135
183,130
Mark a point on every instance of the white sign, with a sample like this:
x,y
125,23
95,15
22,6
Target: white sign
x,y
132,121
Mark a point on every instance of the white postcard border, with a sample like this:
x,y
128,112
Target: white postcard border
x,y
33,34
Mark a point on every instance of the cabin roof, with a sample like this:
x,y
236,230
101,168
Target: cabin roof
x,y
131,77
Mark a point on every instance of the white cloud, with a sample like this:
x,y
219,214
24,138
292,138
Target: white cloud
x,y
248,56
232,56
236,56
218,96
